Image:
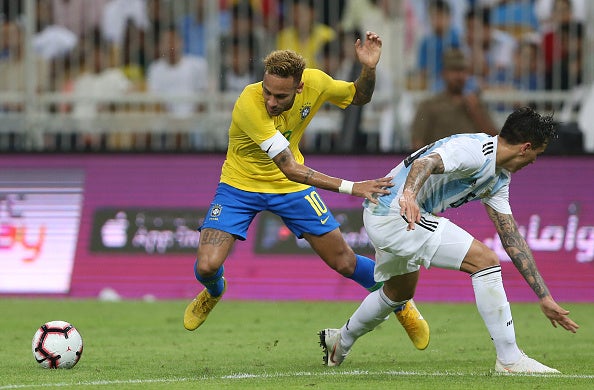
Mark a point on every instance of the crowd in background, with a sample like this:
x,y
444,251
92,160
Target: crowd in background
x,y
91,53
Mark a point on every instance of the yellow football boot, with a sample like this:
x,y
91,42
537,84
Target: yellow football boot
x,y
197,310
415,325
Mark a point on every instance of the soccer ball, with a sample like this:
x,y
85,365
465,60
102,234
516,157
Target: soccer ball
x,y
57,344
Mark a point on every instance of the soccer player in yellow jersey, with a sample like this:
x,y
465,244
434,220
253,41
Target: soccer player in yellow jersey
x,y
264,170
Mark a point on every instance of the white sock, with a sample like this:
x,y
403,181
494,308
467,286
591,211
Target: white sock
x,y
492,304
374,310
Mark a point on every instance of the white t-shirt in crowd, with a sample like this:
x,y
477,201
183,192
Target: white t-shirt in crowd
x,y
184,79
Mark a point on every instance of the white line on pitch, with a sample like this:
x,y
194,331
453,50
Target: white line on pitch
x,y
239,376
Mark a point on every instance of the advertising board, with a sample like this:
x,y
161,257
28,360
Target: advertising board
x,y
39,220
137,231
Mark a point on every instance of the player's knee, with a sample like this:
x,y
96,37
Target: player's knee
x,y
479,257
491,259
345,269
205,268
488,259
343,263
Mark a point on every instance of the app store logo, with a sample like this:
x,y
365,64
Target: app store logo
x,y
114,231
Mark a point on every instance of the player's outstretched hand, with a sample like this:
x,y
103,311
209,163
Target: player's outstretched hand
x,y
557,315
372,189
369,50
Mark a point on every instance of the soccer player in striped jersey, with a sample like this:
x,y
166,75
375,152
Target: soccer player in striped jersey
x,y
407,232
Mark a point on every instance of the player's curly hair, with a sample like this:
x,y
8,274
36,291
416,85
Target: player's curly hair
x,y
284,63
527,125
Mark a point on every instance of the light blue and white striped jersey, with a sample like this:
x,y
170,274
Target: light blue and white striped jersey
x,y
470,174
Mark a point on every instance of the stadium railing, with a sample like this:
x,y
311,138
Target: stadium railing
x,y
38,126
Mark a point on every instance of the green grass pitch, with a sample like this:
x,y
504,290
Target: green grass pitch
x,y
274,345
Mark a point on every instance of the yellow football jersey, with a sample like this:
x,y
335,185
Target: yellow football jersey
x,y
248,167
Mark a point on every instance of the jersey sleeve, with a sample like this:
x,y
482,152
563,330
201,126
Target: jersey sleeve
x,y
461,155
499,199
337,92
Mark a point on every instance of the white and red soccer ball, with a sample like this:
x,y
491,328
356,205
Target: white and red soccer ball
x,y
57,344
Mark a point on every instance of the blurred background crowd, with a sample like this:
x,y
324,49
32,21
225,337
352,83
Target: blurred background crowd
x,y
162,75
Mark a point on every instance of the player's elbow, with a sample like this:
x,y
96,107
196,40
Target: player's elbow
x,y
293,174
361,99
291,170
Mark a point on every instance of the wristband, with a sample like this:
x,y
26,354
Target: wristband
x,y
346,187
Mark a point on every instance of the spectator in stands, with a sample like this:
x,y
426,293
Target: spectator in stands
x,y
131,59
491,51
451,111
528,72
177,75
338,57
433,45
131,56
160,16
271,12
387,18
516,17
79,16
246,21
4,45
196,28
549,15
562,12
238,63
13,76
11,9
563,48
242,48
60,47
568,69
116,14
304,34
325,133
458,9
92,90
51,41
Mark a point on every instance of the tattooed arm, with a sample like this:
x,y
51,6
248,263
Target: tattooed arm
x,y
364,86
300,173
420,171
516,247
368,53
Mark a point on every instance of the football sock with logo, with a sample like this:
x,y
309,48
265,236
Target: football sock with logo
x,y
492,304
364,273
374,310
214,284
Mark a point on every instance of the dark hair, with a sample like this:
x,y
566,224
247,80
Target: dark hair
x,y
527,125
248,41
483,14
440,5
242,9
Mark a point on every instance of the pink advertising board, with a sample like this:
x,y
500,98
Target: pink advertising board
x,y
136,230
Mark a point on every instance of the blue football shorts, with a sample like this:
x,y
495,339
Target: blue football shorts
x,y
232,210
